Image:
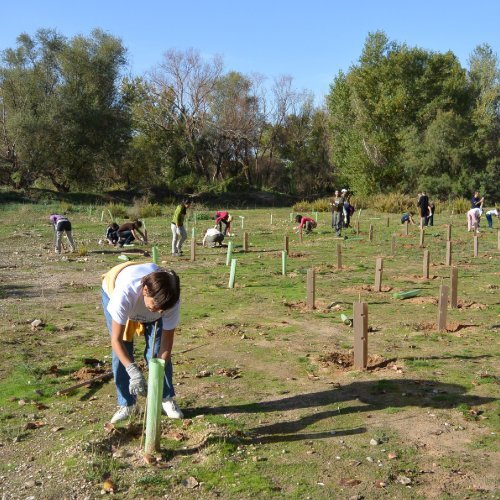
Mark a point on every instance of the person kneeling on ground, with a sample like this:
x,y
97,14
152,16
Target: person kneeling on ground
x,y
407,218
141,299
61,224
112,233
129,232
224,218
212,237
305,222
489,216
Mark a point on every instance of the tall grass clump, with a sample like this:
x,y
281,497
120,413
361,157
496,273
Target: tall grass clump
x,y
116,210
143,209
392,203
302,206
458,205
320,205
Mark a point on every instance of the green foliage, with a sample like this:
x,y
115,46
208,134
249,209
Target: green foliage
x,y
302,206
458,206
143,209
392,203
116,210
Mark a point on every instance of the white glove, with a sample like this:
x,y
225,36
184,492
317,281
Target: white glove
x,y
137,385
178,231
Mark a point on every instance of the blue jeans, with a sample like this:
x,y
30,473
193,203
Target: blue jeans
x,y
490,220
120,373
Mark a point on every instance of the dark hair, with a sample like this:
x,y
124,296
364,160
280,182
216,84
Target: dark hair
x,y
164,287
298,218
114,226
186,201
137,223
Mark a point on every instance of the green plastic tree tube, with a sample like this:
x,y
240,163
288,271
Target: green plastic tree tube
x,y
229,253
283,262
193,233
154,252
153,413
232,274
407,295
291,217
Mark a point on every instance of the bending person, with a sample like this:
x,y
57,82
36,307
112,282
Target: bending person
x,y
61,224
305,222
226,219
141,299
129,232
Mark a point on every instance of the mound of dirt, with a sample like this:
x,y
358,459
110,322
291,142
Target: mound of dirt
x,y
86,373
429,326
345,361
422,300
466,304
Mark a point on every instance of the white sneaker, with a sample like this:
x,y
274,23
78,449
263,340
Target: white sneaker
x,y
123,413
171,408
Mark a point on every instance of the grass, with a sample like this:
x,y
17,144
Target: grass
x,y
277,429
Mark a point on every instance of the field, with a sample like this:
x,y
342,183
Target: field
x,y
273,406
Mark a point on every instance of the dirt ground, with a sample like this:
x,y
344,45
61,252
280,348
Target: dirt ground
x,y
273,404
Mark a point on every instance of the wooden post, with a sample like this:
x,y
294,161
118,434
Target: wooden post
x,y
300,235
370,234
448,233
339,256
285,244
476,246
422,235
311,292
193,250
232,273
357,227
448,253
245,241
360,325
406,228
443,307
425,273
393,245
454,287
229,255
388,221
283,262
193,233
378,274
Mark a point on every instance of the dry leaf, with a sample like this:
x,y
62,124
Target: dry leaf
x,y
110,428
34,425
349,482
108,486
149,459
392,456
57,429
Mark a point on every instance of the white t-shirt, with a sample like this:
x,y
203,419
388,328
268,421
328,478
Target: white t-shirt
x,y
127,300
213,231
492,212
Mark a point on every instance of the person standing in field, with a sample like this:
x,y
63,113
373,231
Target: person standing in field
x,y
477,201
141,299
432,209
179,234
337,207
61,224
423,205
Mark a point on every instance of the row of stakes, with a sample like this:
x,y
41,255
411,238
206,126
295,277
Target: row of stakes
x,y
359,322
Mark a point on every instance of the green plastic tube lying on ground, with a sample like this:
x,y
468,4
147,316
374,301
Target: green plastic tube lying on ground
x,y
407,295
346,320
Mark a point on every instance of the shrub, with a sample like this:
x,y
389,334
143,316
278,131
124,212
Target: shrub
x,y
143,209
116,210
65,207
458,206
302,206
320,205
392,203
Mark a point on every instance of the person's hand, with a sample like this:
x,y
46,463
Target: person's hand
x,y
137,385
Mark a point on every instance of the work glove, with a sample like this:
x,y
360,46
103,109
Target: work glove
x,y
137,385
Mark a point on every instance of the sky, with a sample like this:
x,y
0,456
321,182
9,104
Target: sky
x,y
311,40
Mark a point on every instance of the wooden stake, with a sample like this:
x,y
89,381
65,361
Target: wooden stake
x,y
448,253
245,241
425,273
357,227
370,234
454,287
360,335
311,285
388,221
193,250
378,274
443,307
406,228
339,255
300,235
422,234
448,233
393,245
285,244
476,246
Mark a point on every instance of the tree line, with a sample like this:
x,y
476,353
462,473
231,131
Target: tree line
x,y
401,118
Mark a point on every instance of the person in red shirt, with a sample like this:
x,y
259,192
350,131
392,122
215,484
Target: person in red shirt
x,y
224,218
305,222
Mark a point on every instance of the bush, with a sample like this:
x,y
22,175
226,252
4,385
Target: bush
x,y
391,203
143,209
321,205
458,206
302,206
116,210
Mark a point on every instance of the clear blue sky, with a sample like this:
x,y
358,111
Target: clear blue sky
x,y
309,40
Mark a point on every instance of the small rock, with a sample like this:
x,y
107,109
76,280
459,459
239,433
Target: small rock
x,y
29,484
392,456
369,459
403,480
374,442
190,483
